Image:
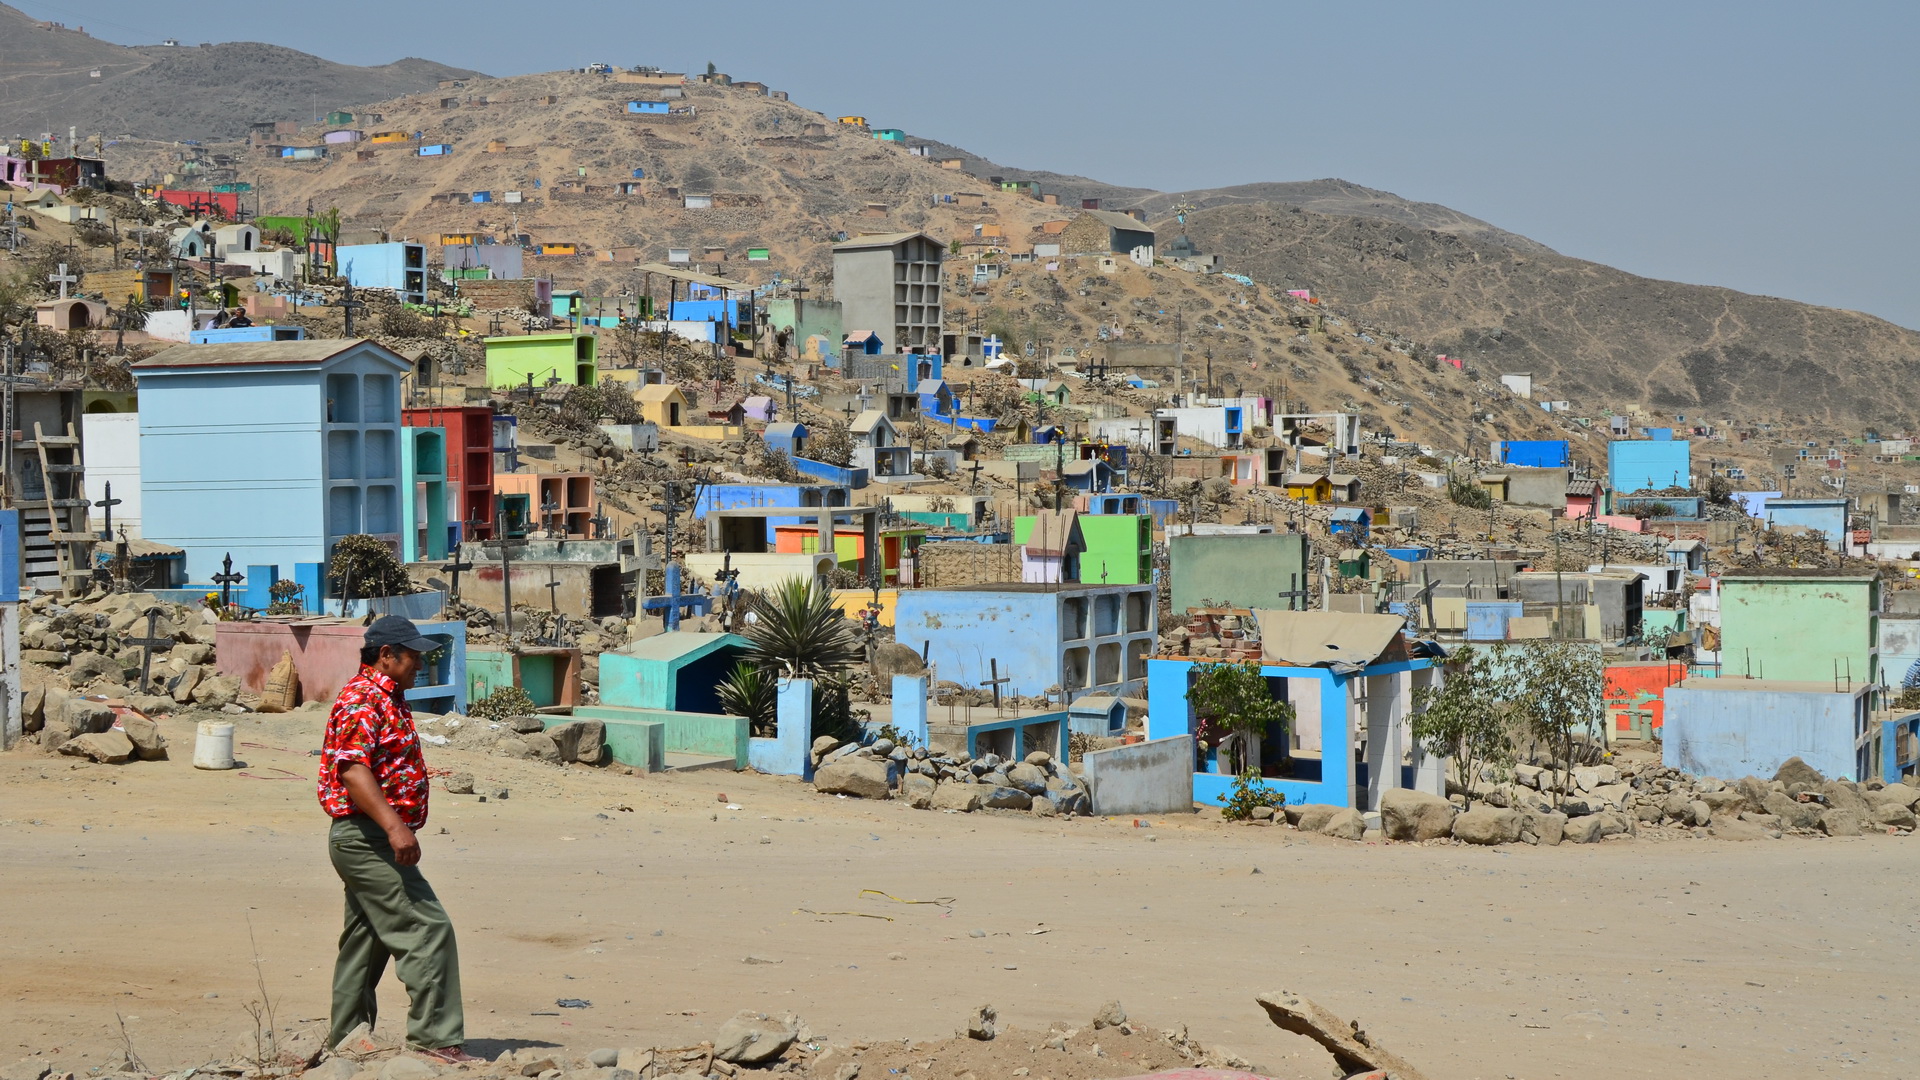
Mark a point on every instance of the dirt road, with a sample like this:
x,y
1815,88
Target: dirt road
x,y
130,891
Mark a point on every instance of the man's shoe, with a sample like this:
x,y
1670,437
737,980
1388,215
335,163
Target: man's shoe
x,y
454,1055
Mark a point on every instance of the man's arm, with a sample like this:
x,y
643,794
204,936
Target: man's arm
x,y
367,797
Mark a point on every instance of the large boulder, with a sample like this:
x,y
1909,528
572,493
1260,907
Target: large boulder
x,y
1415,815
893,659
1794,771
542,746
1006,798
87,666
1842,795
1899,794
1545,827
1725,801
83,716
864,778
1791,811
964,798
1310,817
1031,779
144,734
216,692
584,741
752,1038
1583,830
918,791
1346,823
1837,822
1890,812
1487,825
105,747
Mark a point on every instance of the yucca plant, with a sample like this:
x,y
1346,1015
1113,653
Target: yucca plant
x,y
750,692
798,633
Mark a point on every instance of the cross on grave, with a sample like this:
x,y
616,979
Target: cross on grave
x,y
553,590
147,645
348,305
227,579
455,567
1295,594
673,600
506,548
549,507
107,504
64,279
993,666
600,522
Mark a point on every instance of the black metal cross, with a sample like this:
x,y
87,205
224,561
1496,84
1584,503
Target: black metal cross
x,y
107,504
227,579
600,522
993,666
506,548
549,509
1295,594
147,645
454,567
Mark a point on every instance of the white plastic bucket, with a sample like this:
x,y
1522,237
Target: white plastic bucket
x,y
213,745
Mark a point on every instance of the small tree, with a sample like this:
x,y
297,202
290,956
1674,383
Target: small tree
x,y
1465,717
1236,699
1559,692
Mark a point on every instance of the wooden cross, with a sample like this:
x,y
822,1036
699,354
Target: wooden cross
x,y
993,665
147,645
107,504
64,279
553,590
227,579
506,548
455,567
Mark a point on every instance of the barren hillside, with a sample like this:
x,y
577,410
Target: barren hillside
x,y
1590,333
186,92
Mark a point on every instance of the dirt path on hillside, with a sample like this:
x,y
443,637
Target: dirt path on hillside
x,y
130,889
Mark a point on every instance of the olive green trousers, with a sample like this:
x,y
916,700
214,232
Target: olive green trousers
x,y
391,913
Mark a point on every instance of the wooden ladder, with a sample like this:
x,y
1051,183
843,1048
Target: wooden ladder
x,y
63,480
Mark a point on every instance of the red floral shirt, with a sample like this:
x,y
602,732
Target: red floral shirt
x,y
371,725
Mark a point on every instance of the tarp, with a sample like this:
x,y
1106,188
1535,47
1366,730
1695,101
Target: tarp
x,y
1345,641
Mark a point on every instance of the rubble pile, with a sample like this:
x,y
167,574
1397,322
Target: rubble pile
x,y
752,1042
961,783
85,665
1591,803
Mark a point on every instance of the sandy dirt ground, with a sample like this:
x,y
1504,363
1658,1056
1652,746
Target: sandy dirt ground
x,y
130,891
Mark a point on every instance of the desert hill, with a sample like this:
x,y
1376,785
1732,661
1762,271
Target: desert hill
x,y
156,92
1590,333
788,179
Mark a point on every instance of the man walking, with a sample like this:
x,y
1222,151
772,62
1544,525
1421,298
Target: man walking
x,y
373,784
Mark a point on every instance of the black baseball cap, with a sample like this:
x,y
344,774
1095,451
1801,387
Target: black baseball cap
x,y
395,630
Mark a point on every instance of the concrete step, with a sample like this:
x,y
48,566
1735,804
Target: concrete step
x,y
679,762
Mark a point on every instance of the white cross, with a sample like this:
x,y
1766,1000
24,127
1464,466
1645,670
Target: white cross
x,y
64,279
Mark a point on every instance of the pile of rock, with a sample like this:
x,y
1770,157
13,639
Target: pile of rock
x,y
1592,803
1038,785
85,642
523,738
81,727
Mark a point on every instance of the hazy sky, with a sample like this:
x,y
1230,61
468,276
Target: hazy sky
x,y
1770,147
